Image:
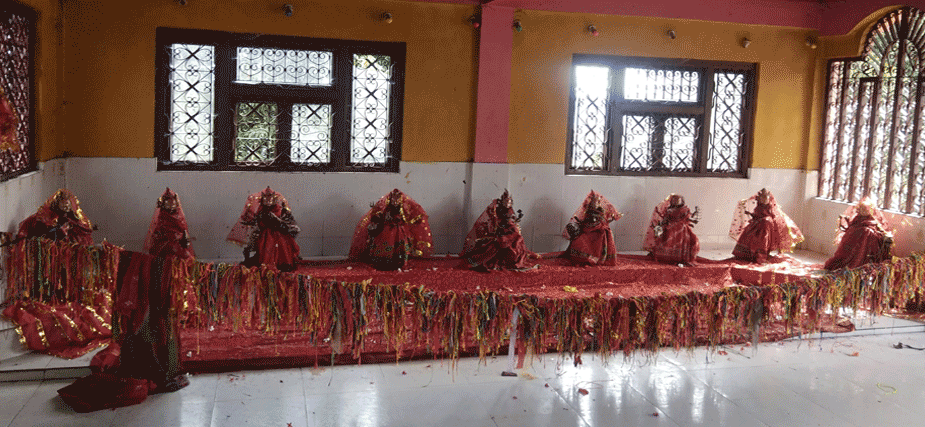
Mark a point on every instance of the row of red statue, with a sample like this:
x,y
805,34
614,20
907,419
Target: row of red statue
x,y
396,228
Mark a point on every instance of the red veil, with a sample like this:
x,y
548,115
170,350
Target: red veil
x,y
165,219
852,211
412,214
46,215
241,233
484,226
789,233
657,214
610,213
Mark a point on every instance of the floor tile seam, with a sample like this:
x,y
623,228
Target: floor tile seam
x,y
25,402
819,407
562,398
656,405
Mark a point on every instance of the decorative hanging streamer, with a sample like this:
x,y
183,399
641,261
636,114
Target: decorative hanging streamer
x,y
415,319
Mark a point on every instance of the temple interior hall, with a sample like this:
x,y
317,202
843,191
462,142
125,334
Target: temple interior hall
x,y
335,103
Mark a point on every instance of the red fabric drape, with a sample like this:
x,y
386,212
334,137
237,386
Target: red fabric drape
x,y
495,242
266,235
47,218
594,244
167,231
767,229
400,230
861,238
677,242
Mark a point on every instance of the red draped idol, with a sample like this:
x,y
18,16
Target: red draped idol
x,y
60,218
394,229
591,240
168,234
863,237
763,230
495,242
267,227
670,237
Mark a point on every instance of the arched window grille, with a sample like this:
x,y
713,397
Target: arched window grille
x,y
873,136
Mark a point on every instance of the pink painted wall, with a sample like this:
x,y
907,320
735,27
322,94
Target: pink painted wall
x,y
494,86
838,20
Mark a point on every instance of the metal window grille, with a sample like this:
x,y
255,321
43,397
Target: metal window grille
x,y
645,116
228,101
873,133
17,38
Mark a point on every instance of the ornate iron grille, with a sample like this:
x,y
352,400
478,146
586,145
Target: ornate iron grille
x,y
282,66
637,142
590,118
679,144
192,86
726,124
230,101
873,136
255,133
372,88
664,85
648,116
311,133
16,38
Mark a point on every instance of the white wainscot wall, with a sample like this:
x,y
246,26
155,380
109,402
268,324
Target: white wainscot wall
x,y
119,194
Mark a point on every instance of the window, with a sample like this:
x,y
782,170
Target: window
x,y
17,41
228,101
873,135
648,116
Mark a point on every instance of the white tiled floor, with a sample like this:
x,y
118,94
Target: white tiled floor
x,y
842,381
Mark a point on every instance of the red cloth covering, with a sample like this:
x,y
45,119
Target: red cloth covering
x,y
268,230
9,125
146,325
394,229
168,233
861,238
593,245
66,330
768,229
495,242
677,242
103,391
51,222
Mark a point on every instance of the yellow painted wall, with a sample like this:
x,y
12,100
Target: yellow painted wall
x,y
842,46
543,54
48,99
110,64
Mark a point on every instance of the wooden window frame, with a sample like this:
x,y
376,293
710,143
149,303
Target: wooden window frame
x,y
617,107
227,93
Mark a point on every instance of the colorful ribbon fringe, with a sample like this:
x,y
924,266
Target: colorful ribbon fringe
x,y
448,324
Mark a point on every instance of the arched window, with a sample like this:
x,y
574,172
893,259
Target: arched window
x,y
873,141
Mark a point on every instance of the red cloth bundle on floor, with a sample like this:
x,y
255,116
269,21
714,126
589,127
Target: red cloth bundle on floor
x,y
101,390
65,330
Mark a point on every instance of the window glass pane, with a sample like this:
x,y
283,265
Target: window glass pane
x,y
726,133
680,135
191,79
645,84
281,66
636,153
255,133
370,130
589,124
16,93
311,133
